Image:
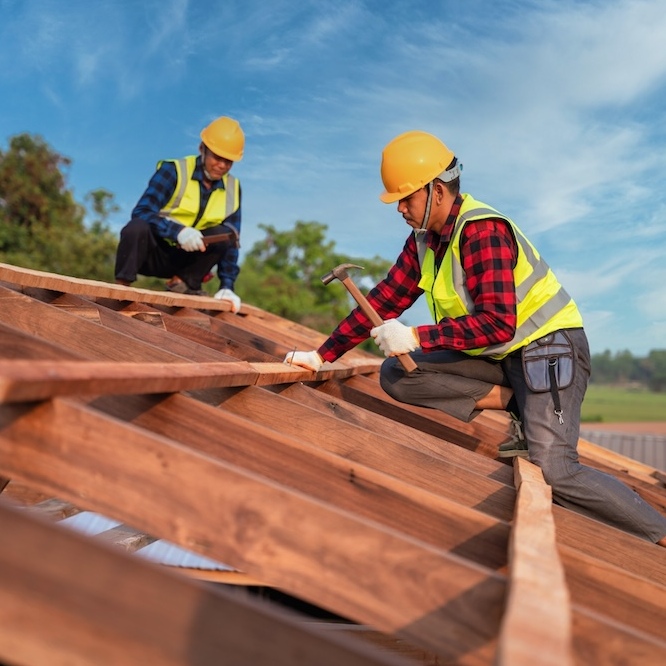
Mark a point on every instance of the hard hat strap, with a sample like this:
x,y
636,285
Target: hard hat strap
x,y
426,215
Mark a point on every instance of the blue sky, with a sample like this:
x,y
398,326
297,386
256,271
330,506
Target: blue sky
x,y
555,108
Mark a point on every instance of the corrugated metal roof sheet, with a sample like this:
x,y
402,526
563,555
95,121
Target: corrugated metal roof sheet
x,y
160,552
648,449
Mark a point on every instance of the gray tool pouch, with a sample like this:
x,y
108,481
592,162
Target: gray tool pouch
x,y
548,363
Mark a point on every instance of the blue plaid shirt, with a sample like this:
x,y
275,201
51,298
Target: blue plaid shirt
x,y
158,193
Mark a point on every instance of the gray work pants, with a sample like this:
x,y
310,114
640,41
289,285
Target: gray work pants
x,y
452,382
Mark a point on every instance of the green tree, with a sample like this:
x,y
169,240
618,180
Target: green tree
x,y
655,365
603,371
41,225
282,274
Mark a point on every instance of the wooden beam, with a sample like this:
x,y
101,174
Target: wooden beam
x,y
610,545
387,427
126,318
200,333
597,641
620,595
298,463
125,537
15,344
335,559
38,380
74,334
537,619
30,380
66,599
31,278
438,467
53,509
368,393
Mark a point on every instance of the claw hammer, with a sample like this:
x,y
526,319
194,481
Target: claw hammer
x,y
340,273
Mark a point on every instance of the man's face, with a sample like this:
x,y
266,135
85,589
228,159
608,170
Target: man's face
x,y
412,208
215,166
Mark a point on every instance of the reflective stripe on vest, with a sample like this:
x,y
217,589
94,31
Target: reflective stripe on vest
x,y
184,203
543,305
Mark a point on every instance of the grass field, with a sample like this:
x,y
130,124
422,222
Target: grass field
x,y
610,404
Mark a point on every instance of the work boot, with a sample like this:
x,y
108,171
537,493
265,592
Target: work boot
x,y
516,445
178,286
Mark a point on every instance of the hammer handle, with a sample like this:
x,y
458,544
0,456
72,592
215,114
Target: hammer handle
x,y
406,360
216,238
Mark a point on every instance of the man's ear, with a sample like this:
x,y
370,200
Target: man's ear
x,y
202,149
439,190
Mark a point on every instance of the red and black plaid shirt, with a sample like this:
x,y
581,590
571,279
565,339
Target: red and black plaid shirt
x,y
488,253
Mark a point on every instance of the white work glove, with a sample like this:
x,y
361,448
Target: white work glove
x,y
394,338
309,360
229,295
191,240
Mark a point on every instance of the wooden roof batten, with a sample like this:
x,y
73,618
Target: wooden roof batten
x,y
178,419
536,573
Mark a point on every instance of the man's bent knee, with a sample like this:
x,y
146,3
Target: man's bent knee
x,y
136,228
390,377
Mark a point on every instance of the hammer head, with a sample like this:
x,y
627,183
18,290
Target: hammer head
x,y
339,272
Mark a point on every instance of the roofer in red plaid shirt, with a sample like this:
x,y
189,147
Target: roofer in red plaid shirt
x,y
506,334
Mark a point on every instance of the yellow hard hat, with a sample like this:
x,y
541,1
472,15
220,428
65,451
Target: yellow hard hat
x,y
411,161
225,138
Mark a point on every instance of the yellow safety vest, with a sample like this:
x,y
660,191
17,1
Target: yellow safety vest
x,y
543,305
184,203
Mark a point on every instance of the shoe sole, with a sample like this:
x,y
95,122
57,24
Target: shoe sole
x,y
187,292
513,454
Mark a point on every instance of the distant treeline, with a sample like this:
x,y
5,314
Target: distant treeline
x,y
624,368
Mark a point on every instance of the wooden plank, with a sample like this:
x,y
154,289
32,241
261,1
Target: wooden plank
x,y
600,642
38,380
298,464
287,340
246,335
396,645
91,605
610,545
349,565
387,427
378,444
19,494
53,509
17,344
279,341
279,323
23,380
537,619
190,347
75,334
280,373
32,278
619,595
368,394
125,537
199,332
160,337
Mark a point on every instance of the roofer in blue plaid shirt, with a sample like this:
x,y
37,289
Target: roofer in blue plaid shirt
x,y
187,200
